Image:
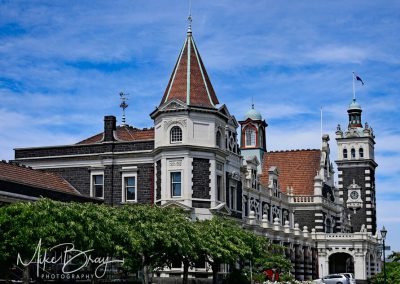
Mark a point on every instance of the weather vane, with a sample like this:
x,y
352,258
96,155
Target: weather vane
x,y
123,105
190,17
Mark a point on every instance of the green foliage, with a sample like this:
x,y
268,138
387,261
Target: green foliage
x,y
147,237
223,241
395,256
392,274
86,225
392,271
237,277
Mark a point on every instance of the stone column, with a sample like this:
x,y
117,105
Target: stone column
x,y
360,266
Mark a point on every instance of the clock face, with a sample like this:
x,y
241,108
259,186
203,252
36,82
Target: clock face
x,y
354,195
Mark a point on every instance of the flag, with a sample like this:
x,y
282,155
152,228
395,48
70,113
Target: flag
x,y
359,79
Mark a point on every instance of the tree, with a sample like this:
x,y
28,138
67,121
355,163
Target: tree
x,y
223,241
395,256
165,235
392,271
87,226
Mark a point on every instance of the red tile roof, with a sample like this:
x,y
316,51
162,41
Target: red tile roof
x,y
36,178
297,169
201,91
124,133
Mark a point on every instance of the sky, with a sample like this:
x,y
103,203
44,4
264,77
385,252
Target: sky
x,y
63,64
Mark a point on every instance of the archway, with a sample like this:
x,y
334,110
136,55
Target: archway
x,y
341,262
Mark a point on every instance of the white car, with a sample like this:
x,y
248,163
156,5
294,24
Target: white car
x,y
335,279
351,277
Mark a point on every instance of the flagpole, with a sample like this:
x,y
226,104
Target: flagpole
x,y
354,89
321,126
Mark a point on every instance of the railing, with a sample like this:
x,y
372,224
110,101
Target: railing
x,y
339,236
303,199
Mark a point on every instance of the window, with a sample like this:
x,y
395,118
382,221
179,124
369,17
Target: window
x,y
232,197
176,183
176,134
130,188
344,153
250,136
353,153
328,226
98,186
218,139
361,152
220,194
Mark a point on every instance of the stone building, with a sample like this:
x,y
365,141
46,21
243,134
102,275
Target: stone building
x,y
192,158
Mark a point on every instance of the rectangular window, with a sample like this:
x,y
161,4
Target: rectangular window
x,y
98,186
220,193
176,183
232,196
130,188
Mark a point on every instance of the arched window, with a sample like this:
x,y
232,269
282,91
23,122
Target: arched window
x,y
176,134
361,152
344,153
353,153
328,226
218,139
250,136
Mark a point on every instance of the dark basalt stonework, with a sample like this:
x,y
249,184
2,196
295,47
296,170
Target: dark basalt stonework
x,y
80,179
201,178
84,149
158,191
358,174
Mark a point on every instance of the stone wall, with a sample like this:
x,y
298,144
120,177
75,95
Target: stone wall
x,y
201,178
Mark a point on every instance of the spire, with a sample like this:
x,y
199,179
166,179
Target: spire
x,y
189,80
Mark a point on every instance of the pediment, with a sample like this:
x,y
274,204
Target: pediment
x,y
173,104
253,160
221,209
224,110
176,204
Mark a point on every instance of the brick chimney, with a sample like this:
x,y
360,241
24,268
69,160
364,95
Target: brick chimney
x,y
110,125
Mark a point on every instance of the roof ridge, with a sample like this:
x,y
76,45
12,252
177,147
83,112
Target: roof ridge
x,y
293,150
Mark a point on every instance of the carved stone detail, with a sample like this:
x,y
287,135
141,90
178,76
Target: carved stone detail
x,y
181,122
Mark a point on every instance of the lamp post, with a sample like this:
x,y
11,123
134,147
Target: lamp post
x,y
383,234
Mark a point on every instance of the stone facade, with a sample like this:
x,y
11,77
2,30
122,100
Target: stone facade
x,y
201,178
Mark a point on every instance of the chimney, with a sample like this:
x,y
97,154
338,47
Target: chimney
x,y
110,125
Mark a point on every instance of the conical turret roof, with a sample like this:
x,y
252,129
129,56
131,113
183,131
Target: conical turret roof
x,y
189,81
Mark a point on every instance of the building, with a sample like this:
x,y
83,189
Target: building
x,y
192,158
21,183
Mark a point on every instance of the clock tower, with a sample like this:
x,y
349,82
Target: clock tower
x,y
356,170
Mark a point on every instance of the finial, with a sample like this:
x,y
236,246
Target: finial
x,y
189,31
123,105
252,102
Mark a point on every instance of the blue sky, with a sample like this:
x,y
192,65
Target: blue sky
x,y
63,64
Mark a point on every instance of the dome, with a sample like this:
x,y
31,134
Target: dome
x,y
253,114
354,105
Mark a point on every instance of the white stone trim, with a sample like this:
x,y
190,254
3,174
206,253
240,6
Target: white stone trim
x,y
95,172
126,174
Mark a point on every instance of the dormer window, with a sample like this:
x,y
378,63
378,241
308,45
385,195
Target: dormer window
x,y
344,153
353,153
250,136
361,153
176,134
